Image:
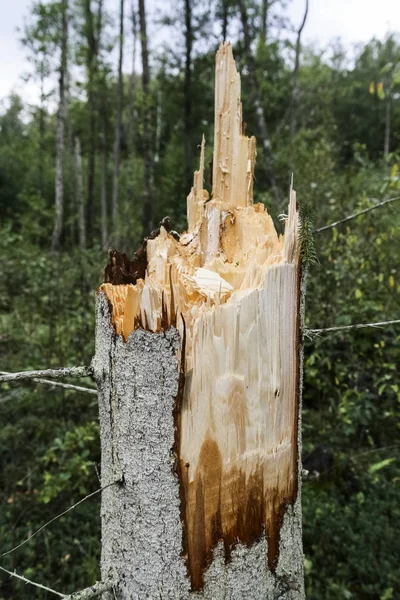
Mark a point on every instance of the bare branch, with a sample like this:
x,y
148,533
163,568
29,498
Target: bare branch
x,y
316,332
66,386
100,587
58,516
39,585
357,214
61,372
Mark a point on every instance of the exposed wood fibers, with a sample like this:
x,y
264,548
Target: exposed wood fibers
x,y
236,417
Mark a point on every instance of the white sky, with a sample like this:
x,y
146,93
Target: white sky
x,y
352,20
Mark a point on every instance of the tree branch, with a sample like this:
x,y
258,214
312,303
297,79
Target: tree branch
x,y
100,587
61,372
316,332
58,516
357,214
39,585
66,386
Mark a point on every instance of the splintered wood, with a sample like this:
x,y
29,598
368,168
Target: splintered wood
x,y
231,287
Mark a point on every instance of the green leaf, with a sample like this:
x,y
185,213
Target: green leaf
x,y
381,465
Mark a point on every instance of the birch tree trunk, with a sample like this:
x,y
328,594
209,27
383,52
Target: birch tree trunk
x,y
199,374
59,187
118,121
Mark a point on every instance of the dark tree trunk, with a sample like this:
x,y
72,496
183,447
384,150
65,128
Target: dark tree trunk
x,y
92,38
59,186
132,110
295,87
387,127
224,19
148,208
188,94
118,121
264,20
103,184
255,92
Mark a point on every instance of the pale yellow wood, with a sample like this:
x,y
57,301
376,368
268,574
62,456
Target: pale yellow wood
x,y
234,153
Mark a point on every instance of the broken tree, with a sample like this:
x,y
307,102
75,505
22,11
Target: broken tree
x,y
198,367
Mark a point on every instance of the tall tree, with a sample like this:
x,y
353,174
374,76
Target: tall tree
x,y
132,106
118,122
59,183
41,41
255,92
148,208
295,87
188,93
92,28
264,20
79,195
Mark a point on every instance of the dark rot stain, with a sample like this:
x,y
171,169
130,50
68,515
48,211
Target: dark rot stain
x,y
121,270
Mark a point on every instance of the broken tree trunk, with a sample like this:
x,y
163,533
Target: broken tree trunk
x,y
198,367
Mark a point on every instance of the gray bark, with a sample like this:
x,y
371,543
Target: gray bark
x,y
118,122
59,186
141,522
80,203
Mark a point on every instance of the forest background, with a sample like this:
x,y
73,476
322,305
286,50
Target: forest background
x,y
100,160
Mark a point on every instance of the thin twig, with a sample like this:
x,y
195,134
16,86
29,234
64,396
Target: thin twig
x,y
315,332
100,587
58,516
61,372
66,386
357,214
39,585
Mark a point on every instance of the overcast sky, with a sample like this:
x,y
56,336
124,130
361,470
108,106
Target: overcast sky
x,y
352,20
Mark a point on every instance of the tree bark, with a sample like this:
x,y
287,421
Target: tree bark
x,y
199,379
79,195
188,93
148,208
59,186
255,92
118,122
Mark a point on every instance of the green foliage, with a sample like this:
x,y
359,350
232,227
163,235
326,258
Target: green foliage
x,y
307,243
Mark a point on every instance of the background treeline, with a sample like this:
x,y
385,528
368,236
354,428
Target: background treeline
x,y
108,151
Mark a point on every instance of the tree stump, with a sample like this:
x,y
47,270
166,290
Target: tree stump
x,y
198,366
